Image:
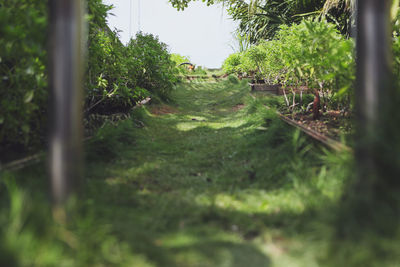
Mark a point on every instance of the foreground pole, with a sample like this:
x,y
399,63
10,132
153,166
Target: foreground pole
x,y
374,85
66,67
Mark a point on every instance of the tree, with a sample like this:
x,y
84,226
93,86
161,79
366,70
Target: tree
x,y
260,19
182,4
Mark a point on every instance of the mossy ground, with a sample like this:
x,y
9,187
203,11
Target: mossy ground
x,y
212,179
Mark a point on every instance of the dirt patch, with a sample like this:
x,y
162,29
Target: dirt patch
x,y
162,110
331,123
238,107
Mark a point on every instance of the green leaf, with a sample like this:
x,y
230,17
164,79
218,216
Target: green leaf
x,y
328,76
28,96
343,90
1,120
300,72
25,128
395,9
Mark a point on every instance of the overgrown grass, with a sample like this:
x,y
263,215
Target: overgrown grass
x,y
216,180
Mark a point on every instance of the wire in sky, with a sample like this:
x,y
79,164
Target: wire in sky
x,y
139,15
130,18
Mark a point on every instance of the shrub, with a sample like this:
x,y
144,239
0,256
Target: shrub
x,y
153,68
233,79
23,76
311,53
179,59
117,76
232,63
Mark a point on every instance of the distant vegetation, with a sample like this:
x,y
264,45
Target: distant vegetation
x,y
117,76
312,53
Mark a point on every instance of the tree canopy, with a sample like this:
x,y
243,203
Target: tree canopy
x,y
260,19
182,4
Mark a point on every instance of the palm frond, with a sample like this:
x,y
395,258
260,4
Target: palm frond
x,y
349,5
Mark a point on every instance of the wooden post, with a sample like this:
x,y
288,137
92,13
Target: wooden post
x,y
374,85
66,54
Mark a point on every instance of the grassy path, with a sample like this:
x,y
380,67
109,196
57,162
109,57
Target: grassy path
x,y
210,180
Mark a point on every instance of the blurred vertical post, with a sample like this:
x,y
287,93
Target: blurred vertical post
x,y
374,85
66,66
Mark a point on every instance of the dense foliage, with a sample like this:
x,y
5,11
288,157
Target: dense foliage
x,y
311,53
261,19
23,76
396,47
182,4
179,61
117,76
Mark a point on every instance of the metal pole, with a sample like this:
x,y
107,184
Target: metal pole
x,y
374,85
66,54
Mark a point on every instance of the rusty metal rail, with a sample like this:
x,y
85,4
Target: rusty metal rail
x,y
329,142
22,163
335,145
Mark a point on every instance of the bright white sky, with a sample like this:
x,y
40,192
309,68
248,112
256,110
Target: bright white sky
x,y
202,33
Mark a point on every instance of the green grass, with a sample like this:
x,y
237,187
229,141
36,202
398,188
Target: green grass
x,y
220,181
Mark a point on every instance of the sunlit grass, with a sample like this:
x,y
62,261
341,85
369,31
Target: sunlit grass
x,y
217,180
187,126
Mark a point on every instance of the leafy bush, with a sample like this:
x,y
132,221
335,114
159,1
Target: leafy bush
x,y
315,54
179,59
396,46
23,76
154,69
256,56
232,64
108,86
311,53
233,79
117,76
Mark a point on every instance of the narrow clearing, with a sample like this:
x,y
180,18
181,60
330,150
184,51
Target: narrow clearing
x,y
212,179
